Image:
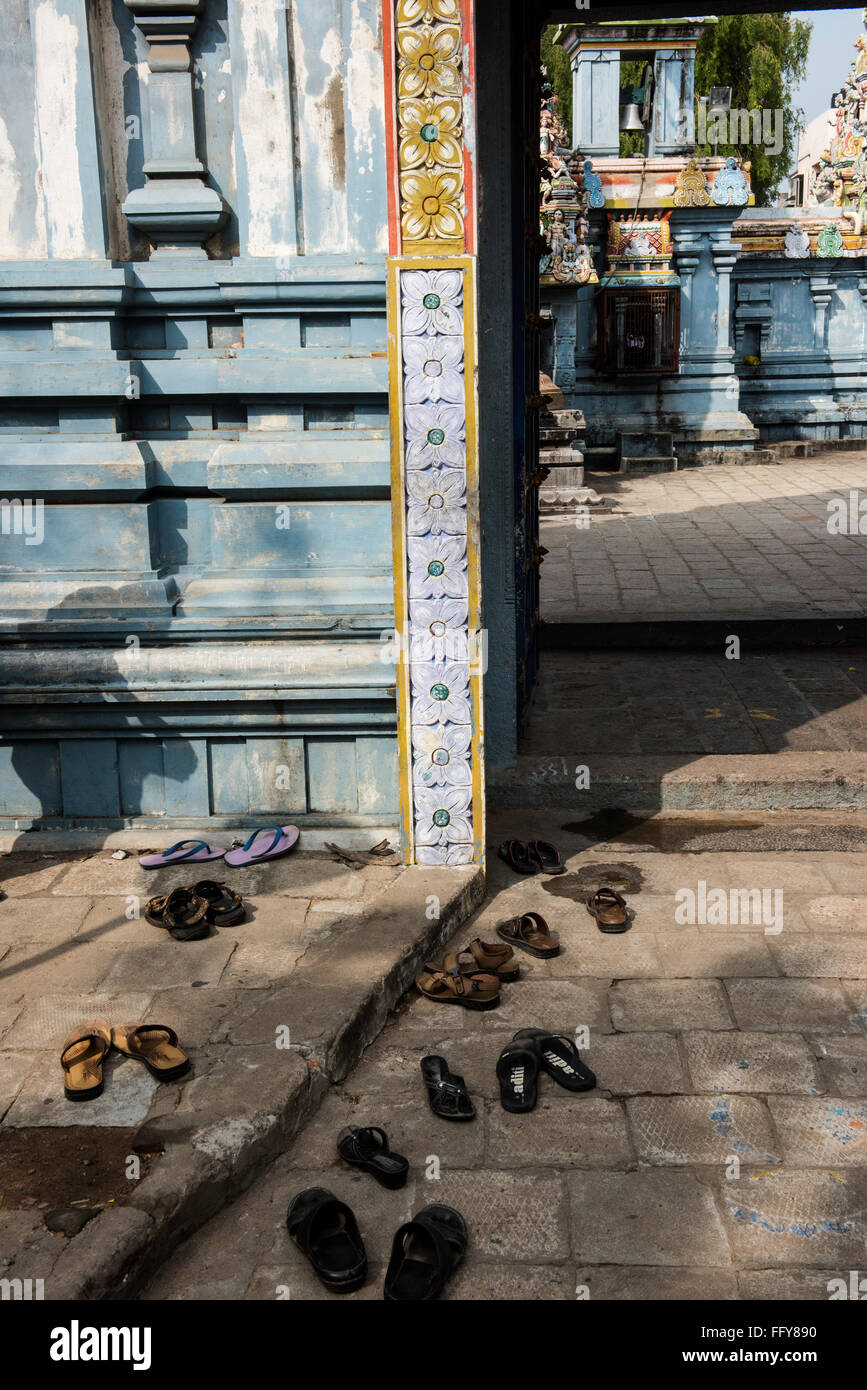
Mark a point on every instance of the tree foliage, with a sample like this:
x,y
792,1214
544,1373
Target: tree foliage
x,y
559,74
762,57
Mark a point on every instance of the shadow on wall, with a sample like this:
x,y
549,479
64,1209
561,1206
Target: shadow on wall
x,y
105,769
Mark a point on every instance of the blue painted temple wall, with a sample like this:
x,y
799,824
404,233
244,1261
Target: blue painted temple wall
x,y
191,630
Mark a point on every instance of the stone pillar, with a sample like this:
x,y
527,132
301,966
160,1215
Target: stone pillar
x,y
176,209
704,395
596,102
821,292
673,126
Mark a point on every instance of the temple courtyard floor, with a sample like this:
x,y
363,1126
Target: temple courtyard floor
x,y
723,1152
752,541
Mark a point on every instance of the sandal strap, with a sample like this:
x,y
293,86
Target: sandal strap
x,y
263,830
609,895
80,1035
129,1032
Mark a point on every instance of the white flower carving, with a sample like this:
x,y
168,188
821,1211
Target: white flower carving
x,y
438,630
443,816
435,436
441,755
440,692
432,302
436,503
451,855
433,370
438,567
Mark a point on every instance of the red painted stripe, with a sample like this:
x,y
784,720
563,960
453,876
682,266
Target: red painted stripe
x,y
468,70
389,60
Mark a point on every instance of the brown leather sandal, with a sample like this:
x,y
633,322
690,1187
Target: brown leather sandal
x,y
530,933
81,1058
609,909
486,958
450,985
154,1044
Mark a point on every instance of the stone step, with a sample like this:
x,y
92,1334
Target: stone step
x,y
648,463
655,442
786,781
808,448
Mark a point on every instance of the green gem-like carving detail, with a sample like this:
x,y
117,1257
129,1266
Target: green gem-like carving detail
x,y
439,691
441,819
436,568
431,301
430,133
436,436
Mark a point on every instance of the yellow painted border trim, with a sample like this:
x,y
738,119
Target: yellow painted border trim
x,y
467,264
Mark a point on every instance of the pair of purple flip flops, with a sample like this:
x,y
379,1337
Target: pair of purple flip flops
x,y
283,838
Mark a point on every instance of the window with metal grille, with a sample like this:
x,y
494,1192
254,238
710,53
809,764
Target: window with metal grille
x,y
639,330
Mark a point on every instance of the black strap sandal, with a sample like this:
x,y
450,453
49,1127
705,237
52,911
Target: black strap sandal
x,y
183,914
326,1231
446,1092
546,856
518,1075
225,907
558,1055
516,854
610,910
424,1254
368,1149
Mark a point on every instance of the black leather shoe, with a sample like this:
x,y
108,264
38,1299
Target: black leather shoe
x,y
424,1255
326,1231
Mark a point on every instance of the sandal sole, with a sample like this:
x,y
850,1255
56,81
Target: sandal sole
x,y
391,1181
478,1005
90,1094
543,954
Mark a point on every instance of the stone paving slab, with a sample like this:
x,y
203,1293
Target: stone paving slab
x,y
638,1006
786,1005
645,1218
701,1129
796,1217
755,1062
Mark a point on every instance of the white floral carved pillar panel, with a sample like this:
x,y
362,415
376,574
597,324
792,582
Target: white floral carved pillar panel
x,y
432,351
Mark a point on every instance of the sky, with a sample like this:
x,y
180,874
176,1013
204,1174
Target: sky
x,y
832,48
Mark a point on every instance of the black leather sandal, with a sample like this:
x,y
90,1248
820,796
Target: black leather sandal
x,y
446,1092
326,1231
516,854
546,857
559,1057
424,1254
368,1149
182,913
225,907
518,1075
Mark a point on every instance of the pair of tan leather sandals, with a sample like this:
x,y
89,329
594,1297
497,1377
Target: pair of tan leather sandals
x,y
472,977
88,1045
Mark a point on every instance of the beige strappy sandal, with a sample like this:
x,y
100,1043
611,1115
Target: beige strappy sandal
x,y
450,985
487,958
81,1058
154,1044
